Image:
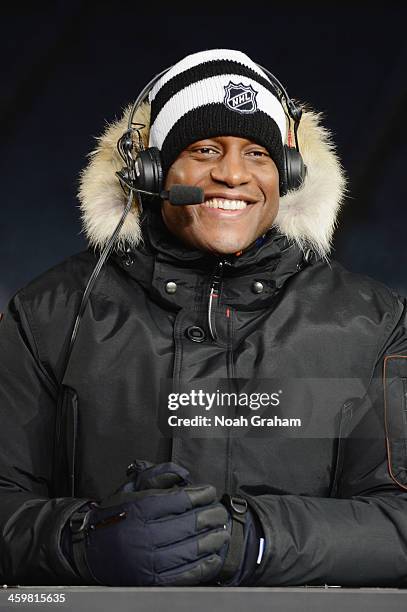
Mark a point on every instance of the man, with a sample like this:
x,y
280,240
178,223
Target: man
x,y
238,288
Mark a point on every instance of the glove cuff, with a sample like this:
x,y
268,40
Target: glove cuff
x,y
237,507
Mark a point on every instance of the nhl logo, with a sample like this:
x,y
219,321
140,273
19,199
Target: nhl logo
x,y
240,98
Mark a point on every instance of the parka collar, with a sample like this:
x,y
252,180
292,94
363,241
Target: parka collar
x,y
161,259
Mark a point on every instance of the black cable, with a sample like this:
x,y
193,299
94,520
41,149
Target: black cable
x,y
104,255
126,155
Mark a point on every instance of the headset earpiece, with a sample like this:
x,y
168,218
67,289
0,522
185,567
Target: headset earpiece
x,y
149,173
294,170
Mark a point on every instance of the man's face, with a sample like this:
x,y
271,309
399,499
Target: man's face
x,y
233,172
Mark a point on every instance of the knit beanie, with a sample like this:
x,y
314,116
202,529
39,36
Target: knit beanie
x,y
218,92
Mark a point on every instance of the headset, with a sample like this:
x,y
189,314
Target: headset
x,y
144,172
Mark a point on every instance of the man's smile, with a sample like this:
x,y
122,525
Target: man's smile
x,y
225,204
223,208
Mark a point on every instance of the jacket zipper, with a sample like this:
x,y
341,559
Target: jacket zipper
x,y
214,298
214,294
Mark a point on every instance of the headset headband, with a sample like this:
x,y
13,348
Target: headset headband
x,y
291,110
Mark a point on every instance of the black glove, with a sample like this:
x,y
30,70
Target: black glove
x,y
242,554
175,536
238,559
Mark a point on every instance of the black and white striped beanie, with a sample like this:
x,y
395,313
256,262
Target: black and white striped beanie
x,y
218,92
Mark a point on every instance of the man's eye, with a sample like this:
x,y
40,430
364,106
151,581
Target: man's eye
x,y
258,153
206,150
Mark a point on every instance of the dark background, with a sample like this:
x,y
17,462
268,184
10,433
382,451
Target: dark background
x,y
68,67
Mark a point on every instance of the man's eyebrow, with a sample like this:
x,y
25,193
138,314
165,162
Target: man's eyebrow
x,y
200,142
198,145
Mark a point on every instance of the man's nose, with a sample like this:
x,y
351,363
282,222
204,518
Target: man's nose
x,y
231,169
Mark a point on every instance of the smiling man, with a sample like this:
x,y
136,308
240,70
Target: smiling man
x,y
234,306
241,185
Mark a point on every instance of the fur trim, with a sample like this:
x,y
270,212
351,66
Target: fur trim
x,y
307,216
102,199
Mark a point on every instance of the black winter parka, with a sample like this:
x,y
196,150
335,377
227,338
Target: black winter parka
x,y
333,508
331,496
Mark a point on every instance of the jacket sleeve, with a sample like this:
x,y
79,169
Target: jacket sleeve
x,y
30,521
357,537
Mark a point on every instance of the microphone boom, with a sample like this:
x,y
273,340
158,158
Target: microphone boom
x,y
184,195
177,195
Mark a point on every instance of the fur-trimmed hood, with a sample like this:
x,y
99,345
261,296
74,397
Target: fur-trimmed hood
x,y
307,216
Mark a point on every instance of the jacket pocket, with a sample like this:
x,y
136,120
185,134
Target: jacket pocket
x,y
395,416
66,434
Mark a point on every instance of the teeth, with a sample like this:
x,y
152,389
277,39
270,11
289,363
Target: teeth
x,y
225,204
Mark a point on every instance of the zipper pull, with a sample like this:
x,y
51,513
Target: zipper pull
x,y
214,295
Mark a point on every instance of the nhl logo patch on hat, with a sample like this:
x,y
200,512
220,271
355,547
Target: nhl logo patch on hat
x,y
240,98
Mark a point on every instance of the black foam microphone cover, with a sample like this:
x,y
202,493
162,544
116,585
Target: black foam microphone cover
x,y
183,195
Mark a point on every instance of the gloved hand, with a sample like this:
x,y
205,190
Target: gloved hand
x,y
238,554
173,536
243,549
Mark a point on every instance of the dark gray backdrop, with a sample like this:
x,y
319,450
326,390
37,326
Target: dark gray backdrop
x,y
68,67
